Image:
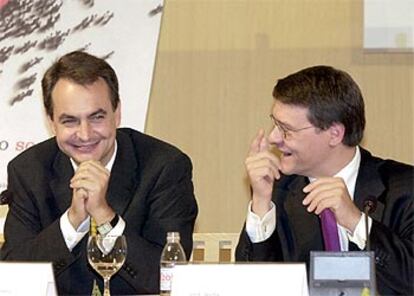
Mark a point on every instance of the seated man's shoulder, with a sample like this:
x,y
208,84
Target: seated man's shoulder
x,y
42,153
396,175
392,167
386,167
148,147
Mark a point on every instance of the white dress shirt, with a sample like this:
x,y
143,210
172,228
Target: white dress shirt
x,y
73,236
260,230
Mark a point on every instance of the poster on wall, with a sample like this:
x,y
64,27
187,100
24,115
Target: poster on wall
x,y
34,33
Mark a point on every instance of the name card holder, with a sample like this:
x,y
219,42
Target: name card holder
x,y
241,279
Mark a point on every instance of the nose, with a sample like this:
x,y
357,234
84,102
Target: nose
x,y
84,131
275,136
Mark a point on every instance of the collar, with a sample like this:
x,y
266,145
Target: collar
x,y
349,172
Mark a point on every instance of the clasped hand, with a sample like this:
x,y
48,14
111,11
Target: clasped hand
x,y
90,184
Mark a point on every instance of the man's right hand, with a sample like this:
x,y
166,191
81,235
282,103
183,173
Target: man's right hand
x,y
77,211
89,185
262,168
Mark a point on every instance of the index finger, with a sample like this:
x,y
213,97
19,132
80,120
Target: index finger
x,y
320,182
94,165
258,144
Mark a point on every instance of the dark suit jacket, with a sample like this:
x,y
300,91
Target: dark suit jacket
x,y
150,187
392,233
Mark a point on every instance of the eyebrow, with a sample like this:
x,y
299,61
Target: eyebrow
x,y
100,111
283,124
68,116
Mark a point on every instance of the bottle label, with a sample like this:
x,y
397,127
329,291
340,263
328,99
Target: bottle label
x,y
166,274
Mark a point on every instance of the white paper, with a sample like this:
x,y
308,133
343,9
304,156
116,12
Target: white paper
x,y
35,279
240,280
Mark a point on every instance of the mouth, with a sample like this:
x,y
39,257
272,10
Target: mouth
x,y
285,154
85,147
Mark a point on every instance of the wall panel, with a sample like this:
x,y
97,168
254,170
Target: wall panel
x,y
217,63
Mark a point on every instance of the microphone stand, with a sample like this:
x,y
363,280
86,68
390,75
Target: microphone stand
x,y
370,205
367,240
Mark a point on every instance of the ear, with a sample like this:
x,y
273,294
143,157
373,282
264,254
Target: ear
x,y
336,134
51,124
118,115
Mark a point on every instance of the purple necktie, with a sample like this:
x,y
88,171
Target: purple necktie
x,y
330,231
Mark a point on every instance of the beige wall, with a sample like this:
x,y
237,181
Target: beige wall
x,y
217,63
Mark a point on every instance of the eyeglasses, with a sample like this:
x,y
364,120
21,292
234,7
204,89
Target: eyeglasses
x,y
284,130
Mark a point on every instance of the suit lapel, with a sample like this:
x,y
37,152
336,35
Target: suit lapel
x,y
369,184
59,184
299,230
123,180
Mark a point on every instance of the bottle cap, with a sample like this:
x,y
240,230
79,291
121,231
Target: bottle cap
x,y
173,236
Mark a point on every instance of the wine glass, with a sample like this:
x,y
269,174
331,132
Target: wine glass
x,y
106,254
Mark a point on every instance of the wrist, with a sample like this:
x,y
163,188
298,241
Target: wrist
x,y
104,217
106,227
260,207
353,222
101,213
75,220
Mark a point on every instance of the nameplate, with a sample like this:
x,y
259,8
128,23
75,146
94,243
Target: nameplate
x,y
35,279
240,279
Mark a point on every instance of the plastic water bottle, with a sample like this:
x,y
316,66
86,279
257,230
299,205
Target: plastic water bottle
x,y
172,254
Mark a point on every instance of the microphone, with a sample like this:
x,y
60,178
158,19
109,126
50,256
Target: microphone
x,y
370,204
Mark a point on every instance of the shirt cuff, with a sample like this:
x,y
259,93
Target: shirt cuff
x,y
71,235
258,229
359,237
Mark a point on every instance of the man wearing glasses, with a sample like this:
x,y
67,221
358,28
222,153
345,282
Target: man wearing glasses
x,y
318,117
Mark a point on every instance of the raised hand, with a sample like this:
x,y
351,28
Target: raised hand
x,y
262,169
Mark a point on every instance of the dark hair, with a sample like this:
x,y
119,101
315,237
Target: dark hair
x,y
330,95
81,68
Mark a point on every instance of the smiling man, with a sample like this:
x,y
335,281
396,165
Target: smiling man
x,y
128,182
319,119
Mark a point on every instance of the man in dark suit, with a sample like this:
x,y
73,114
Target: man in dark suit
x,y
319,119
128,182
